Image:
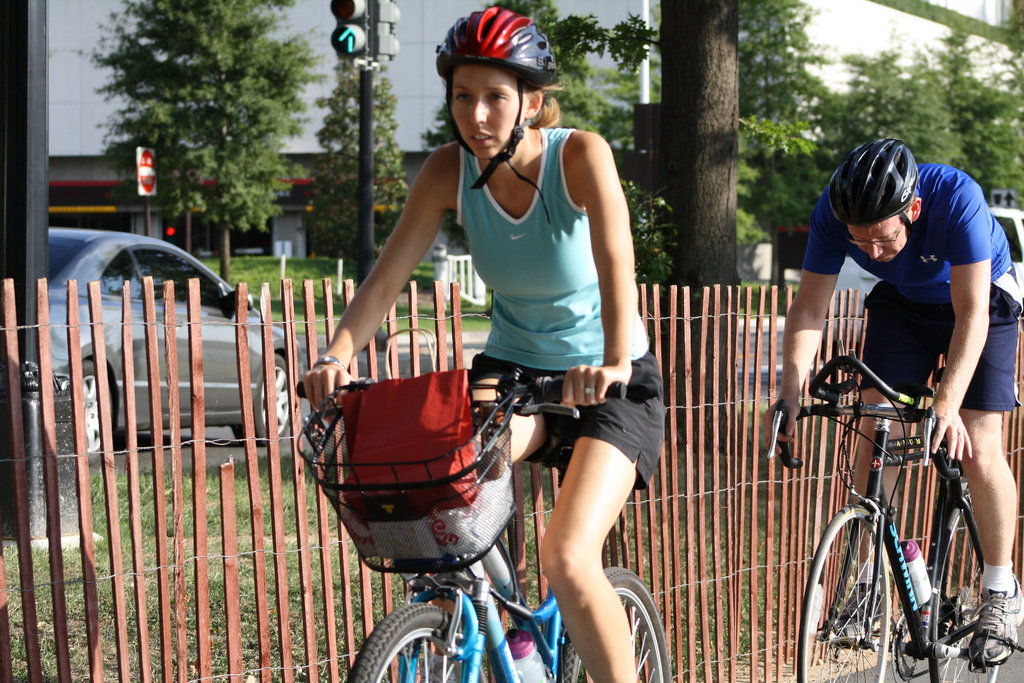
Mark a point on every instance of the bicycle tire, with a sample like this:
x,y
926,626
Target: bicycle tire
x,y
835,641
414,632
960,599
650,645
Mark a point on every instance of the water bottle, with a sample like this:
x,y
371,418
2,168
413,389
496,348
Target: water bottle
x,y
918,575
527,660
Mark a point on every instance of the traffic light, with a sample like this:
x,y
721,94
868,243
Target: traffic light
x,y
349,37
386,15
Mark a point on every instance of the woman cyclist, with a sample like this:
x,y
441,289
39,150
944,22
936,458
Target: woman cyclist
x,y
548,229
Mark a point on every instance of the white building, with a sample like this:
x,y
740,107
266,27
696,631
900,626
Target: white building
x,y
80,182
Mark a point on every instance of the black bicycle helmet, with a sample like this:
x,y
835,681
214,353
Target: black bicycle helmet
x,y
498,37
875,181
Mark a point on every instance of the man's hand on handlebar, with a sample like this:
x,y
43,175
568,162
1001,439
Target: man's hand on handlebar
x,y
950,425
787,430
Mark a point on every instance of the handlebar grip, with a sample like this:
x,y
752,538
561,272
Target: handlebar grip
x,y
785,454
300,390
550,389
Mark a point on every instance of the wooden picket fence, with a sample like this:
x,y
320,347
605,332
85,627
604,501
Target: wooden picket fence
x,y
190,569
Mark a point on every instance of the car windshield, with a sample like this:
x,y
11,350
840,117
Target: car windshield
x,y
1011,237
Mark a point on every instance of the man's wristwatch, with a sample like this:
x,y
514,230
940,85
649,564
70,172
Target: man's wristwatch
x,y
330,360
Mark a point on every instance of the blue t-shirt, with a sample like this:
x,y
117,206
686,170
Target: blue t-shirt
x,y
547,305
955,228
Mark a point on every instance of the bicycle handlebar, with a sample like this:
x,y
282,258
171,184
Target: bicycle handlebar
x,y
820,387
548,388
785,454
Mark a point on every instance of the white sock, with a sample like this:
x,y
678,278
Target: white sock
x,y
998,578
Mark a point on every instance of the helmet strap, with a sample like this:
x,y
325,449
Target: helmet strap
x,y
505,155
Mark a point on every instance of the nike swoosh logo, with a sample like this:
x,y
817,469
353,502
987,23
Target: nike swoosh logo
x,y
515,237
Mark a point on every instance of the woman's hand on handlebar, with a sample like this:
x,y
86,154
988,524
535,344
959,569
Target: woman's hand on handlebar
x,y
587,385
323,378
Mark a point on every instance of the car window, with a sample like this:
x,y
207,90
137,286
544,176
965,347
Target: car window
x,y
166,266
114,275
61,251
1011,236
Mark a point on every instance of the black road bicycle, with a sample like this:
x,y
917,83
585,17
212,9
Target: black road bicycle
x,y
850,622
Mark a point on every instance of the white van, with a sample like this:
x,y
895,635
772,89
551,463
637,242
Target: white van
x,y
853,276
1012,221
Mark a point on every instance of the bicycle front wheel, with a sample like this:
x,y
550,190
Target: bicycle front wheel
x,y
845,618
647,633
407,646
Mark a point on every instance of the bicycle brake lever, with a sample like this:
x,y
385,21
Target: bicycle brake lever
x,y
785,454
928,427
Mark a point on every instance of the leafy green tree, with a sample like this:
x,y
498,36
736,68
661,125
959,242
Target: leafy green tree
x,y
334,221
215,89
776,89
984,114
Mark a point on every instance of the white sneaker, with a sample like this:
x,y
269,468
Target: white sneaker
x,y
996,635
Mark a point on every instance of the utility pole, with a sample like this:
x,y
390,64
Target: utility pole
x,y
24,221
365,31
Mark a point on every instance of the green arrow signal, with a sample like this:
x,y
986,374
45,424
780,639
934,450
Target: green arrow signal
x,y
348,39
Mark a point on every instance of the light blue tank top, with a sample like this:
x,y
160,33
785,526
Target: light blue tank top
x,y
547,305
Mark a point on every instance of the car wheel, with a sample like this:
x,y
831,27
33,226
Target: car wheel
x,y
281,403
90,394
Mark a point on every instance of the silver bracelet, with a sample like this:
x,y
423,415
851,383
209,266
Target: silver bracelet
x,y
330,360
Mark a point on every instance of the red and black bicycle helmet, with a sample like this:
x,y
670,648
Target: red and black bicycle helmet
x,y
498,37
874,181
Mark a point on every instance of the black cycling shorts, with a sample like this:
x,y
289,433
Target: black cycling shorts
x,y
904,340
635,425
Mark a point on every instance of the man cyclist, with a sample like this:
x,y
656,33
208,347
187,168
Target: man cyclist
x,y
947,287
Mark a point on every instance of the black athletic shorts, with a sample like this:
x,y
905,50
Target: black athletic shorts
x,y
635,424
904,340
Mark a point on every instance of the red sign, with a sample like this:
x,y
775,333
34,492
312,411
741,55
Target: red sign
x,y
146,171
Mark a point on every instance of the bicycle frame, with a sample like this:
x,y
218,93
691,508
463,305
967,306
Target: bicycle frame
x,y
950,504
473,603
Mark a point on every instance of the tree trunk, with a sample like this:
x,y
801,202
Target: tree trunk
x,y
699,148
225,252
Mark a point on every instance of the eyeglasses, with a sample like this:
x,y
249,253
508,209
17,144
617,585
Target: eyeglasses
x,y
885,241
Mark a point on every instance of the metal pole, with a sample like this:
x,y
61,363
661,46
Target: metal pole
x,y
645,66
364,248
24,209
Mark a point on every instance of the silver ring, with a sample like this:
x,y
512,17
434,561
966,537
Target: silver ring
x,y
588,390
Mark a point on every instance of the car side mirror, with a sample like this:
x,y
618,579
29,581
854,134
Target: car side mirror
x,y
227,304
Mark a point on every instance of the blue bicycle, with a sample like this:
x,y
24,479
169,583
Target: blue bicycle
x,y
447,547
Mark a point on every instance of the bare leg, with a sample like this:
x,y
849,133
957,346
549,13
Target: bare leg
x,y
597,485
993,490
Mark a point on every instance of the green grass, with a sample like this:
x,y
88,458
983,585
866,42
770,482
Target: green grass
x,y
256,270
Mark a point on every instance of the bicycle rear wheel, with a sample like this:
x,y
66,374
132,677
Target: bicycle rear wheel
x,y
407,646
960,600
650,647
844,636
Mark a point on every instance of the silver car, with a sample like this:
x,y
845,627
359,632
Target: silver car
x,y
111,258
